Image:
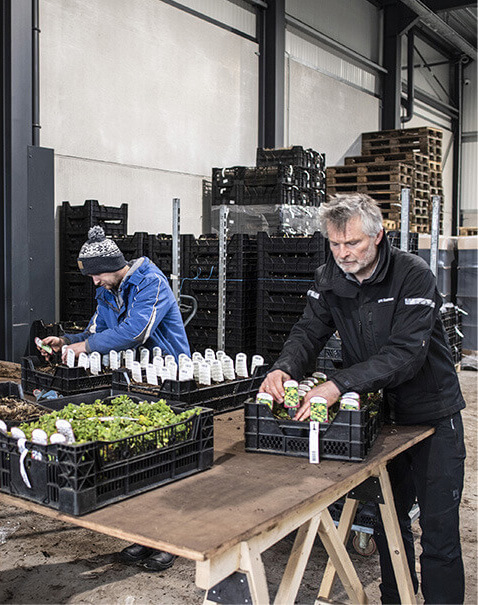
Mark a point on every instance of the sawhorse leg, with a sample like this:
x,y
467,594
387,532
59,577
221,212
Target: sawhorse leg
x,y
345,524
394,539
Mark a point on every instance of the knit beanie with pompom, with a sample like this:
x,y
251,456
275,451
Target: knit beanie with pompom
x,y
100,254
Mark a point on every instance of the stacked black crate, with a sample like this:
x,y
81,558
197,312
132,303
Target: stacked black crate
x,y
275,195
285,268
451,317
77,292
201,256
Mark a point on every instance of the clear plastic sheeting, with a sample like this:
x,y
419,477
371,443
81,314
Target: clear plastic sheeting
x,y
273,219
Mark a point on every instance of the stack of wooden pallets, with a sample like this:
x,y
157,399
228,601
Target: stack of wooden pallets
x,y
392,160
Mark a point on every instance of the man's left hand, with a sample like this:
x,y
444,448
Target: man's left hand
x,y
328,390
77,347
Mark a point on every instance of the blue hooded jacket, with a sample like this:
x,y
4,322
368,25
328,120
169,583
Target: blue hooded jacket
x,y
142,312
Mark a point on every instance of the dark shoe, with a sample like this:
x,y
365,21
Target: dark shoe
x,y
135,553
159,561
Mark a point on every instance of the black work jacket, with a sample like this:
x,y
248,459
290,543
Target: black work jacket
x,y
392,336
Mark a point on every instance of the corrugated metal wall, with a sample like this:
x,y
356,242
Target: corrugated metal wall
x,y
354,23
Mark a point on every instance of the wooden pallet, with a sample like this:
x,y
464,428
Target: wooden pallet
x,y
373,189
414,228
390,225
432,151
417,132
466,231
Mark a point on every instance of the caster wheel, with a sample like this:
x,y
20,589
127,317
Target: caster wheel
x,y
366,547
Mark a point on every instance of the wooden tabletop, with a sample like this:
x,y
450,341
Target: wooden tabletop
x,y
240,497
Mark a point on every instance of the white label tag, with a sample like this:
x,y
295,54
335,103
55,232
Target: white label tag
x,y
95,363
70,358
105,360
168,359
165,374
151,376
157,352
83,361
173,370
144,359
158,363
129,358
136,371
114,360
314,443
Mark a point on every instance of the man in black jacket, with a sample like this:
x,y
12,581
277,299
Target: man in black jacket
x,y
385,305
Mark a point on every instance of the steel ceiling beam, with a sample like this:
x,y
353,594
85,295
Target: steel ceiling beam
x,y
439,27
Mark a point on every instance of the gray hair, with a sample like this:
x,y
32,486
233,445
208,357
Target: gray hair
x,y
342,207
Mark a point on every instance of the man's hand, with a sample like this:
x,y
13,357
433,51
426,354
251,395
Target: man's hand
x,y
328,390
76,347
55,342
273,385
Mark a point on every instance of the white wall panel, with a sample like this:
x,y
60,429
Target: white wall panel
x,y
314,55
326,114
469,188
237,14
354,23
147,192
143,85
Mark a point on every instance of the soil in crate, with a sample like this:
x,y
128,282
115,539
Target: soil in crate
x,y
13,409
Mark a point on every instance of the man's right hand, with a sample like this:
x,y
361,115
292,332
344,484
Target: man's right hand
x,y
55,342
273,384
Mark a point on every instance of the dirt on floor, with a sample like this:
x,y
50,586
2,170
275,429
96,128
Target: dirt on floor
x,y
46,561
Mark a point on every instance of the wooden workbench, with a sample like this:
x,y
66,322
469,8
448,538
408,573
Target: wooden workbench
x,y
224,518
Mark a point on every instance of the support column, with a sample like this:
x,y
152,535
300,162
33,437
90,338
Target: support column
x,y
27,207
397,19
271,35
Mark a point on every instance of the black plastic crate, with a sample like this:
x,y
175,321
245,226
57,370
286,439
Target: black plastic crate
x,y
133,246
221,397
40,329
203,257
237,341
280,255
348,437
278,321
78,479
286,303
296,155
284,287
330,358
240,294
78,219
239,320
248,195
394,238
77,297
64,380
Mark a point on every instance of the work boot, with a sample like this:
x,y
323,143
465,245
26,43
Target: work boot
x,y
159,561
136,553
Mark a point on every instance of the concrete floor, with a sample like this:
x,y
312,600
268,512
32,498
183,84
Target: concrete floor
x,y
46,561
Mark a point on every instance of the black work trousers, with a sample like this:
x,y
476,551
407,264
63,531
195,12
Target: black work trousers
x,y
432,472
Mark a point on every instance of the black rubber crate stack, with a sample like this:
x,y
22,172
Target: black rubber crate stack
x,y
279,184
77,292
451,319
285,268
201,281
395,237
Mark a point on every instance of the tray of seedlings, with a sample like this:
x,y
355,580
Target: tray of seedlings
x,y
84,456
346,431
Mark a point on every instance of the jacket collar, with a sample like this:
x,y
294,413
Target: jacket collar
x,y
333,278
